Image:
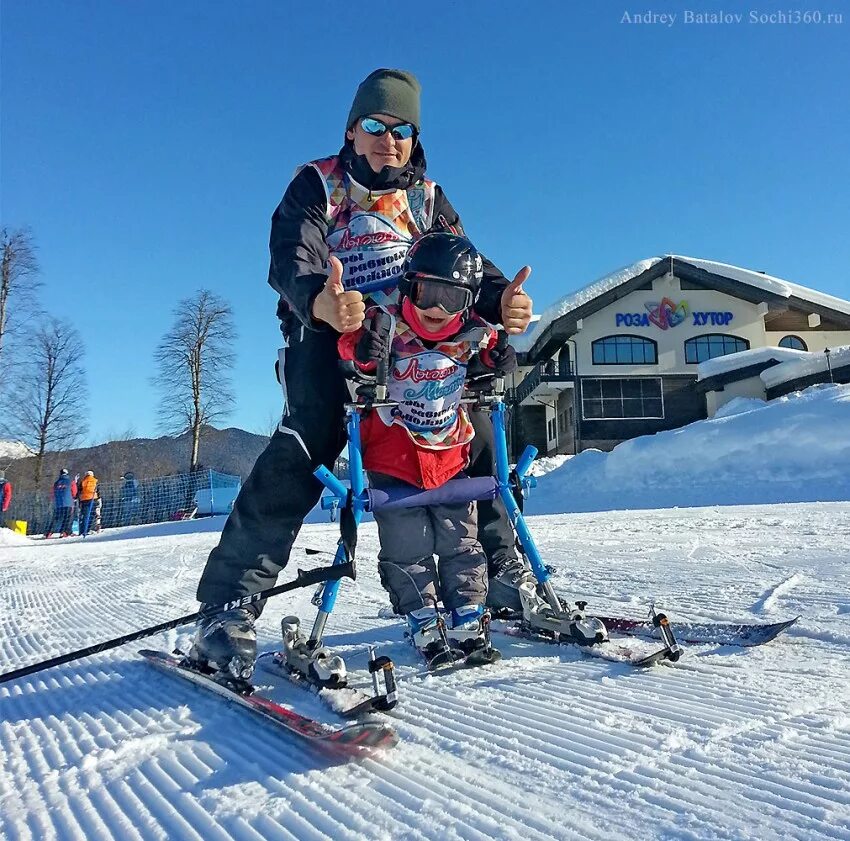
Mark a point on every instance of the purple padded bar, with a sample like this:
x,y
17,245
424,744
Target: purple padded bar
x,y
455,491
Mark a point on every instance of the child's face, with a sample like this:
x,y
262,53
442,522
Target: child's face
x,y
433,319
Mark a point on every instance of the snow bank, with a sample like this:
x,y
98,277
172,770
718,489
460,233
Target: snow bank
x,y
11,538
793,449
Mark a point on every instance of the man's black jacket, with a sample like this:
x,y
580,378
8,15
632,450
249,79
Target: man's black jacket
x,y
299,252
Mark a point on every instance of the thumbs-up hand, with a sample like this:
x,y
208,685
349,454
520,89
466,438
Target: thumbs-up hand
x,y
344,311
516,305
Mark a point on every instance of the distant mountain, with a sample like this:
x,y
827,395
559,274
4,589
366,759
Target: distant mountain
x,y
230,450
11,450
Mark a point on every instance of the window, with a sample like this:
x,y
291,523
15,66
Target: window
x,y
793,342
607,399
624,350
711,345
550,430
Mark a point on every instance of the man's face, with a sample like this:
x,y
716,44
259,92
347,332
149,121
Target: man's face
x,y
384,150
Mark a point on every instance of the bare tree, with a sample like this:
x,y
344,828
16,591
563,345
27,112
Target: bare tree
x,y
48,404
18,285
194,360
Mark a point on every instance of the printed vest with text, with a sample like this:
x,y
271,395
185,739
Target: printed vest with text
x,y
370,231
428,384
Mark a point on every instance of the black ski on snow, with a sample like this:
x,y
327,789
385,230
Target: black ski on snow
x,y
357,739
718,633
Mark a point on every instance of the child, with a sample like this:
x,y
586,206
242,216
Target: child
x,y
435,343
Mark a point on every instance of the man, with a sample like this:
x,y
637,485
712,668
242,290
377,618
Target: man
x,y
64,491
88,493
342,231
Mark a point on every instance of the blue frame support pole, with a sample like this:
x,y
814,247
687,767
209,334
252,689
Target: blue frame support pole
x,y
339,499
506,494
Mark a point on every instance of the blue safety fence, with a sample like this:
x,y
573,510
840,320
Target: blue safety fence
x,y
136,501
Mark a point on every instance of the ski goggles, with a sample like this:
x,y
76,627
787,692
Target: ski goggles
x,y
403,131
426,292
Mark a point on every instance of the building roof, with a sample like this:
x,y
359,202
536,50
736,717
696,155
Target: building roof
x,y
560,320
746,359
806,365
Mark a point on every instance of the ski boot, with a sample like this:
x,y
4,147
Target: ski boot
x,y
505,580
426,629
317,664
470,632
226,642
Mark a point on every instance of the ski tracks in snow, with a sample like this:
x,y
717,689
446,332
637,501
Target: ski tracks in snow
x,y
744,745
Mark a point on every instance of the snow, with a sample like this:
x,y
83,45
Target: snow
x,y
808,363
792,449
11,538
548,745
784,288
11,450
522,343
546,464
573,300
745,358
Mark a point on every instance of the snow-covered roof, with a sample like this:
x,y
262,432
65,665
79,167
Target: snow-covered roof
x,y
574,300
522,342
758,280
783,288
745,358
809,363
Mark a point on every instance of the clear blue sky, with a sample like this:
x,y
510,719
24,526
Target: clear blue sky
x,y
147,143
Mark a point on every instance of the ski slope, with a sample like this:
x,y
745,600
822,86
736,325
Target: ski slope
x,y
549,744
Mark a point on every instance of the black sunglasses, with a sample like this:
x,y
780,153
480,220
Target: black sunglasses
x,y
403,131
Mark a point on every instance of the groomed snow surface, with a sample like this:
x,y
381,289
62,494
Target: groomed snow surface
x,y
792,449
549,744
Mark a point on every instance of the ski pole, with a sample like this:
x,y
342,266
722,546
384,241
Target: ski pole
x,y
303,579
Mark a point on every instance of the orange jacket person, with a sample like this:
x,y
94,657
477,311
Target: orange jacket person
x,y
87,495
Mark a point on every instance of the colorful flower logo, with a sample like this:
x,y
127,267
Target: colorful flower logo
x,y
667,313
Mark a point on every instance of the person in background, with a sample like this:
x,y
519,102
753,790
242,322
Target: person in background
x,y
87,495
129,499
5,493
98,512
64,491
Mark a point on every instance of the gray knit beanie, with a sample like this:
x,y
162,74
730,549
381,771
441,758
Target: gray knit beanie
x,y
391,92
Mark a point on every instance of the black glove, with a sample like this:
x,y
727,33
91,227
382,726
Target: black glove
x,y
502,360
374,344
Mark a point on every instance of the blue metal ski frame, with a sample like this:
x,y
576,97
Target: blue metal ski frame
x,y
358,499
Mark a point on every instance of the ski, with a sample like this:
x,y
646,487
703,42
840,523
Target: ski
x,y
350,740
616,652
718,633
347,701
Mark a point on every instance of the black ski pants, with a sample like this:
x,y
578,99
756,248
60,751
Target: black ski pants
x,y
281,489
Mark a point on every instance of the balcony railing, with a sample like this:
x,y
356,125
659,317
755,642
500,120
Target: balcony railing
x,y
546,370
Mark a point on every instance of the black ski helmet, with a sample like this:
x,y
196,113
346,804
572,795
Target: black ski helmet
x,y
443,258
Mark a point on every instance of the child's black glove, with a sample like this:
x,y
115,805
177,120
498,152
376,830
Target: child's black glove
x,y
501,360
374,344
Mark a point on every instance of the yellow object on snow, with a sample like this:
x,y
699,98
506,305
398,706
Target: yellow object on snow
x,y
18,526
